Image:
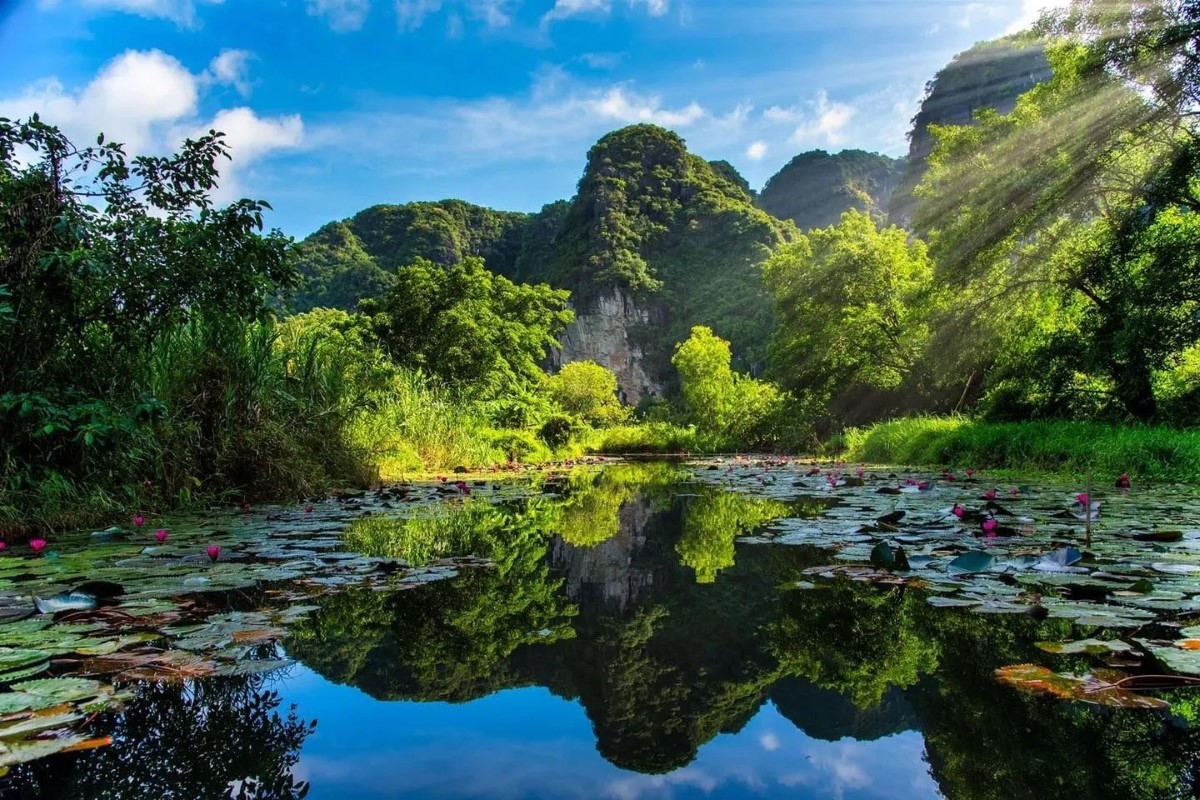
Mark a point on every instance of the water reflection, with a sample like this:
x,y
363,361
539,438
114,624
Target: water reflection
x,y
224,737
624,645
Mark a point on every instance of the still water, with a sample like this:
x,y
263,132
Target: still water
x,y
623,643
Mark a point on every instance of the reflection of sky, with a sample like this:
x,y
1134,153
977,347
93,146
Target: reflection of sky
x,y
527,743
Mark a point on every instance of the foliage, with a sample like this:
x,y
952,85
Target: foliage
x,y
477,333
588,391
1145,451
851,301
1081,199
988,75
356,259
815,188
718,400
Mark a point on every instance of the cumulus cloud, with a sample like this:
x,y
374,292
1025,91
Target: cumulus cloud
x,y
757,151
150,102
230,68
342,15
821,122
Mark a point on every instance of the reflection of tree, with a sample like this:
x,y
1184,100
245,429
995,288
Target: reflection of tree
x,y
590,511
436,531
448,640
181,741
987,741
711,523
855,638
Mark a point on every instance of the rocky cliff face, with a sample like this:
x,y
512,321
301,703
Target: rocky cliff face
x,y
604,332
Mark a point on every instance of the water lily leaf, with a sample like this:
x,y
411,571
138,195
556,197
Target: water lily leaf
x,y
1088,689
37,723
1178,656
1093,647
971,562
1176,568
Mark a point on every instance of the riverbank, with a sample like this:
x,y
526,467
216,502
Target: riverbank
x,y
1148,452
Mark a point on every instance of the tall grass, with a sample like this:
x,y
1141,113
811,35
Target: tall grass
x,y
1146,451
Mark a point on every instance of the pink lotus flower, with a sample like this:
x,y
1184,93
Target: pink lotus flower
x,y
160,535
139,520
38,545
213,552
990,494
958,511
989,526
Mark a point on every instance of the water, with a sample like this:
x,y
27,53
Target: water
x,y
628,646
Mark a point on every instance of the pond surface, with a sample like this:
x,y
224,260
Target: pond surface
x,y
726,628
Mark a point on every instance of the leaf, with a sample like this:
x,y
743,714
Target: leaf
x,y
1093,647
972,562
1088,689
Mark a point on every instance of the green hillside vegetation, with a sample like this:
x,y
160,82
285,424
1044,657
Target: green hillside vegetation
x,y
814,189
989,75
654,219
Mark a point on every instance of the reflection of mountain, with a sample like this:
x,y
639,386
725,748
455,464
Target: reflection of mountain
x,y
830,716
618,573
662,663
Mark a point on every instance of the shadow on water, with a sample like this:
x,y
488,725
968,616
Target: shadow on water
x,y
629,593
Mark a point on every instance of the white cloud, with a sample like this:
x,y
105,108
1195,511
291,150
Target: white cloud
x,y
565,9
1031,10
619,105
229,68
757,151
411,14
149,101
181,12
769,742
823,123
343,15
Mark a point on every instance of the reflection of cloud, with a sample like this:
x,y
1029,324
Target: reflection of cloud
x,y
769,742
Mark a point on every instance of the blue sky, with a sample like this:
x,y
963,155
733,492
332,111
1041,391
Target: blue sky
x,y
334,105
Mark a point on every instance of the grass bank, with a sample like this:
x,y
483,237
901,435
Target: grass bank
x,y
1144,451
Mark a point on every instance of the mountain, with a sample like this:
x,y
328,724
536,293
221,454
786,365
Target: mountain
x,y
817,187
989,75
664,240
656,240
355,258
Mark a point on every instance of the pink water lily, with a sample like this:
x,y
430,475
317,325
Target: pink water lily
x,y
3,545
38,545
139,520
245,508
1123,481
308,509
970,472
1014,491
958,511
160,535
213,552
990,494
989,526
923,486
860,472
1082,498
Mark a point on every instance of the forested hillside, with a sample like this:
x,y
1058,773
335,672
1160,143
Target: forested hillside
x,y
817,187
989,75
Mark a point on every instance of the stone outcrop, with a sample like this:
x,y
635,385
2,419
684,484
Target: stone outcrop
x,y
604,333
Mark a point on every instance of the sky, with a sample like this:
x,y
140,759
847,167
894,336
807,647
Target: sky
x,y
331,106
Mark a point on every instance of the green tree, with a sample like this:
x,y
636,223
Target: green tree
x,y
1078,205
851,302
103,257
717,399
589,391
478,333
